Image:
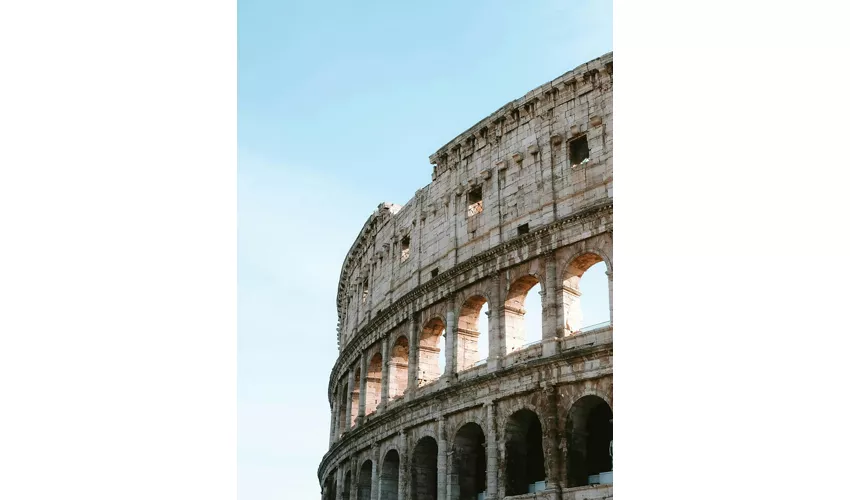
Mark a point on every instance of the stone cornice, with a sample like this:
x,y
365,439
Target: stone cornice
x,y
572,84
379,326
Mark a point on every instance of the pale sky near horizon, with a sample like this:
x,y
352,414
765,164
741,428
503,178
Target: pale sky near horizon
x,y
339,106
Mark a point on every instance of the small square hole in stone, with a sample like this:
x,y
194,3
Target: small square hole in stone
x,y
405,248
434,273
475,201
522,229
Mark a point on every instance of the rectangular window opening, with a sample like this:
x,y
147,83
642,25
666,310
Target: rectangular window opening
x,y
405,248
579,151
475,201
522,229
434,273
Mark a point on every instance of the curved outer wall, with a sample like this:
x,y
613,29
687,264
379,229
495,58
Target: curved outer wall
x,y
508,207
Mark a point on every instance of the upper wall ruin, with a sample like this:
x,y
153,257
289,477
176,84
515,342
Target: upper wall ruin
x,y
537,159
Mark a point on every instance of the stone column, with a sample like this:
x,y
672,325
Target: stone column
x,y
358,302
334,423
385,376
552,439
413,357
375,479
361,406
331,435
451,344
371,288
441,458
349,399
402,466
549,292
340,482
492,453
555,141
496,322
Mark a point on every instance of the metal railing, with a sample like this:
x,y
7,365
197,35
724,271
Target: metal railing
x,y
590,328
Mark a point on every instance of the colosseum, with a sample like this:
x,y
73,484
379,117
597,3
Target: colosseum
x,y
427,404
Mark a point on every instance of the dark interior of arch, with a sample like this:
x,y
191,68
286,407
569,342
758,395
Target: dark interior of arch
x,y
346,486
423,481
329,491
364,481
389,476
589,433
524,452
468,463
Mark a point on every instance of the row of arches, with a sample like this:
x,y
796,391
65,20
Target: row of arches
x,y
585,299
589,434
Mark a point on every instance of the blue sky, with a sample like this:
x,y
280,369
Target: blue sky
x,y
340,105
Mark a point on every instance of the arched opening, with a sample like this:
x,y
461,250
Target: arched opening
x,y
389,476
468,463
346,486
329,488
586,294
373,383
423,481
364,481
472,332
484,333
343,406
398,368
523,300
533,319
590,435
430,347
524,469
355,397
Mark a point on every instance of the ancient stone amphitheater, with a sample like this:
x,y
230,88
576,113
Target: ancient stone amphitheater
x,y
522,198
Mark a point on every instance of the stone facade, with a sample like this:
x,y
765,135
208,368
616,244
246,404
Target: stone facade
x,y
524,197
